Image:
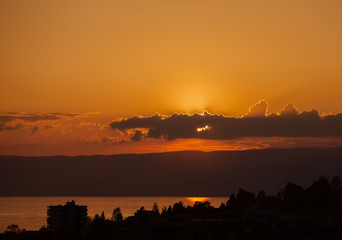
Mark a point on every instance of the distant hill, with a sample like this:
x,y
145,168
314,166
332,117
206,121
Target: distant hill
x,y
189,173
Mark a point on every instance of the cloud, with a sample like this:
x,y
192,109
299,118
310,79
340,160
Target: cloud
x,y
289,110
34,130
256,123
257,110
138,135
31,117
95,139
5,126
16,120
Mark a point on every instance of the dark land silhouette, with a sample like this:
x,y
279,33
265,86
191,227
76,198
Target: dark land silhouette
x,y
295,212
188,173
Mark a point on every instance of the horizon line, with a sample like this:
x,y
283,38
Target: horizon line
x,y
180,151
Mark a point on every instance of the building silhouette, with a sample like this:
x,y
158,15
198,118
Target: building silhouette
x,y
68,221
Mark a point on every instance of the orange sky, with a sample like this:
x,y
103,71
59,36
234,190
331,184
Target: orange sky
x,y
126,58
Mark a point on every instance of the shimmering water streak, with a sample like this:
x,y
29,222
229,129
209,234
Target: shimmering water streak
x,y
193,200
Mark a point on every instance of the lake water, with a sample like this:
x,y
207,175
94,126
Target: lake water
x,y
30,212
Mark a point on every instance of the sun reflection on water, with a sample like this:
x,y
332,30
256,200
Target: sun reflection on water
x,y
192,200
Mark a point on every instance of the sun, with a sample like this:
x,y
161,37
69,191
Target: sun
x,y
205,128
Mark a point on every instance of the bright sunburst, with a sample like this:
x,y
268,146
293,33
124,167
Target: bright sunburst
x,y
205,128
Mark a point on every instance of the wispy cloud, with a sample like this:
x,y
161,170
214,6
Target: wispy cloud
x,y
17,120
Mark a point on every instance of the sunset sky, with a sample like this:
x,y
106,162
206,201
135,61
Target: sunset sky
x,y
106,77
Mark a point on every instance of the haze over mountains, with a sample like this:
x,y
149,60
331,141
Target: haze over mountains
x,y
189,173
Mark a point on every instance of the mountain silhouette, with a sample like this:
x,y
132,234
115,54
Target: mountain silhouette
x,y
187,173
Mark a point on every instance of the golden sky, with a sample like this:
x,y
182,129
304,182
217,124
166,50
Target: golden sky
x,y
126,58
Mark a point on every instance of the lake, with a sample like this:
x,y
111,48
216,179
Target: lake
x,y
30,212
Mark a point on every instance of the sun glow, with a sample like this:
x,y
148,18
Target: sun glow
x,y
201,129
193,200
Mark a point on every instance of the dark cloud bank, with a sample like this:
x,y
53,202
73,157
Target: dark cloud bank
x,y
256,123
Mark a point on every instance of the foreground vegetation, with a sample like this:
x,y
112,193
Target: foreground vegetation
x,y
295,212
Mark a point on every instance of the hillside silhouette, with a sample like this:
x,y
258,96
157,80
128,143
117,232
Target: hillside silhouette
x,y
189,173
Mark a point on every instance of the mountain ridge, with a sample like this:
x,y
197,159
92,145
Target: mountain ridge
x,y
179,173
181,151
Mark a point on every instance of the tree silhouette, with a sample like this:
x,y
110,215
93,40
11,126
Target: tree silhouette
x,y
99,218
292,196
242,201
155,208
13,228
336,191
178,207
319,194
117,216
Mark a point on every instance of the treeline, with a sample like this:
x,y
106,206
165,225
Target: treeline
x,y
295,212
320,195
